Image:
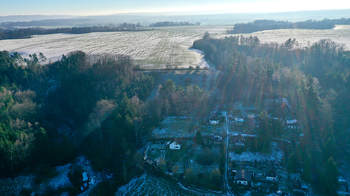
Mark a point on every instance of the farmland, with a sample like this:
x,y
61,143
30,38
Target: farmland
x,y
151,49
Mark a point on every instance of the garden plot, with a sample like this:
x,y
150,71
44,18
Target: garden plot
x,y
172,127
275,155
156,151
209,162
153,48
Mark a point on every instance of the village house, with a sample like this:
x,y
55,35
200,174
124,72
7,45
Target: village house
x,y
292,124
174,146
271,174
239,121
217,139
214,122
238,141
243,177
296,184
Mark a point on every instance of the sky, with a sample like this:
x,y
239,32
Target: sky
x,y
107,7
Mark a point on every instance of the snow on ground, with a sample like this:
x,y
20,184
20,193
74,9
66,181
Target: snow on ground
x,y
57,182
13,186
61,180
149,185
276,155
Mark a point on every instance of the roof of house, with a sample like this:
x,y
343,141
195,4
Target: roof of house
x,y
175,143
243,175
292,121
271,171
296,183
239,119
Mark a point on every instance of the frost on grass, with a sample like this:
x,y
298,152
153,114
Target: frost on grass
x,y
150,185
57,182
275,155
13,186
156,48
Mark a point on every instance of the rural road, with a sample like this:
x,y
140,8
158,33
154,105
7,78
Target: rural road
x,y
227,187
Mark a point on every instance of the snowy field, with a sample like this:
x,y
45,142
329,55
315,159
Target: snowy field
x,y
150,185
148,48
305,37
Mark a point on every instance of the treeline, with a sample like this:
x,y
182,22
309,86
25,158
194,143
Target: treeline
x,y
261,25
168,23
315,80
29,32
49,22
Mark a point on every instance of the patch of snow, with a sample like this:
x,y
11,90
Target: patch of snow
x,y
61,180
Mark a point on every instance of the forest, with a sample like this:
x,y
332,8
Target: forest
x,y
80,104
262,25
168,23
316,81
29,32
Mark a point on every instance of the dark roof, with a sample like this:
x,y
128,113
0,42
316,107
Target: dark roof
x,y
296,184
271,171
243,175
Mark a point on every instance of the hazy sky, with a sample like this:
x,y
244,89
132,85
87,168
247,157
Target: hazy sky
x,y
104,7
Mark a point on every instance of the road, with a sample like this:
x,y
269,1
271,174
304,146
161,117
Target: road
x,y
226,184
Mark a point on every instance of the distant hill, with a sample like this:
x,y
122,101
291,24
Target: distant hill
x,y
209,18
26,18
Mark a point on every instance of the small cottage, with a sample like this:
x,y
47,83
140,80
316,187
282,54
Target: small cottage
x,y
243,177
292,124
271,173
174,146
214,122
239,141
217,139
239,121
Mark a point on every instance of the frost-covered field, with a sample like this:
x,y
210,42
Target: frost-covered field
x,y
275,155
160,46
150,185
340,34
149,48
